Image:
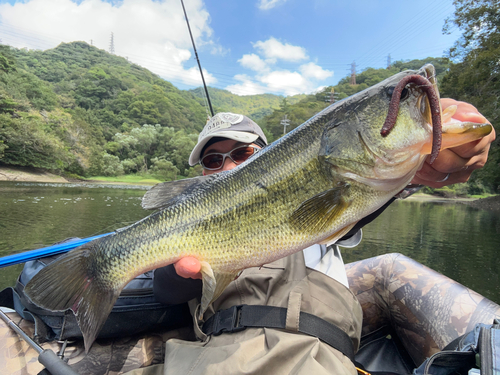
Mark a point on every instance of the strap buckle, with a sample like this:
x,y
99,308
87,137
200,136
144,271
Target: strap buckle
x,y
227,320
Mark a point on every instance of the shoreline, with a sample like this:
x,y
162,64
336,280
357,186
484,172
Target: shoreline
x,y
26,174
30,174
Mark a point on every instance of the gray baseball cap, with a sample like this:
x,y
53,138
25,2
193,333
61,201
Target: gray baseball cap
x,y
227,125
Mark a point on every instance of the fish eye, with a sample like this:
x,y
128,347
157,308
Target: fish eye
x,y
404,93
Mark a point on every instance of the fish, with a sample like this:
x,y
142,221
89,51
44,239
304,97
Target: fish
x,y
310,186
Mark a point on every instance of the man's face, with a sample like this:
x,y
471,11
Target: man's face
x,y
223,147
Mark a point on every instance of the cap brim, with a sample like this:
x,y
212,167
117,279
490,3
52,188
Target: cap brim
x,y
242,137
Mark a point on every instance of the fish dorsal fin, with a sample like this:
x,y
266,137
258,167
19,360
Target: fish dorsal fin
x,y
166,194
316,214
214,284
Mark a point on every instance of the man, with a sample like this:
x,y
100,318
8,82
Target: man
x,y
312,281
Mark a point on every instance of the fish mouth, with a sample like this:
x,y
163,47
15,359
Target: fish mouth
x,y
428,71
425,108
425,81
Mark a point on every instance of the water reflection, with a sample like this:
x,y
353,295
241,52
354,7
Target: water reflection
x,y
34,215
454,239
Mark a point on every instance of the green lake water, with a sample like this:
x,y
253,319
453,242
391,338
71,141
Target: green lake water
x,y
454,239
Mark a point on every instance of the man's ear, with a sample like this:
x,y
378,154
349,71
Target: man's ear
x,y
204,174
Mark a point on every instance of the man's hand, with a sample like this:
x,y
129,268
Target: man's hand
x,y
459,162
188,267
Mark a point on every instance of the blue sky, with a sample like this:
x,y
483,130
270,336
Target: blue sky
x,y
245,46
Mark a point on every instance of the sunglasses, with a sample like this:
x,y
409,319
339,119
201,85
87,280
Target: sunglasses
x,y
238,155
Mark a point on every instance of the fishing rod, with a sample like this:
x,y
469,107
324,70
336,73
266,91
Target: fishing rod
x,y
197,59
10,260
54,364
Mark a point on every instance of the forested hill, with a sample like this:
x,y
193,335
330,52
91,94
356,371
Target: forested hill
x,y
81,110
254,106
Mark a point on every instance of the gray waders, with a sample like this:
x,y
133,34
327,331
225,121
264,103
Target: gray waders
x,y
288,284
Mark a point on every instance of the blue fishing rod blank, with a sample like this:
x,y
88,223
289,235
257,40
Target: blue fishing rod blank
x,y
10,260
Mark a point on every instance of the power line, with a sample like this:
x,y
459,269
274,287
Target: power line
x,y
175,73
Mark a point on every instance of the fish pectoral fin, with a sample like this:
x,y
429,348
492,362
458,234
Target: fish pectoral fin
x,y
459,133
456,133
168,193
337,235
317,213
214,284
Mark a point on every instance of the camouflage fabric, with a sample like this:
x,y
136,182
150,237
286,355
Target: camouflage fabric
x,y
106,357
426,309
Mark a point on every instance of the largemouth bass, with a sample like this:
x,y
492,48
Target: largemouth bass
x,y
311,186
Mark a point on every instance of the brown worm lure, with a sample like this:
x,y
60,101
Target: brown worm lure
x,y
392,115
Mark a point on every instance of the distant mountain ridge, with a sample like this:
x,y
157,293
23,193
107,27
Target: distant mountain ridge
x,y
254,106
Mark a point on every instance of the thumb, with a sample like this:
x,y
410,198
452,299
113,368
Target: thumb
x,y
188,267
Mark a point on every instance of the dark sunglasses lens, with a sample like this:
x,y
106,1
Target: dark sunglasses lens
x,y
241,154
213,161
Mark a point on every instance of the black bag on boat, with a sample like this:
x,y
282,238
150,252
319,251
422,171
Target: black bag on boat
x,y
135,311
478,349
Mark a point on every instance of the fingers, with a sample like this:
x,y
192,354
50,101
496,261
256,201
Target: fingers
x,y
476,148
437,178
455,165
465,112
188,267
459,162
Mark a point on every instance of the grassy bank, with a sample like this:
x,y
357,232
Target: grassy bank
x,y
125,179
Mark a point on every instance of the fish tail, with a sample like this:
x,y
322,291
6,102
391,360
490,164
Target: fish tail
x,y
69,283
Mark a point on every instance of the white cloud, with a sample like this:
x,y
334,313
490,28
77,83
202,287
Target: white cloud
x,y
248,86
274,49
153,34
283,82
269,4
269,77
290,83
150,33
253,62
311,70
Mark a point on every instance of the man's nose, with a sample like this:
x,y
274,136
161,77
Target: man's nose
x,y
228,164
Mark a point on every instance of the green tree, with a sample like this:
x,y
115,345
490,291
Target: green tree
x,y
7,60
27,141
475,75
165,169
111,165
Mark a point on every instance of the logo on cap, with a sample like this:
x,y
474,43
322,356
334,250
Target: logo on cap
x,y
220,121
